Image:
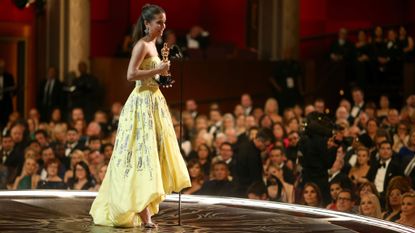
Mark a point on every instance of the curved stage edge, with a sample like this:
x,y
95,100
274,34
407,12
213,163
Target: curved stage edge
x,y
67,211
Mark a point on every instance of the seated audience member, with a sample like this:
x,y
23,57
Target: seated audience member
x,y
345,201
220,185
408,210
101,174
335,188
257,191
76,157
311,195
278,188
396,188
197,177
82,179
387,167
226,155
401,137
370,206
406,153
359,171
276,157
28,179
197,38
52,181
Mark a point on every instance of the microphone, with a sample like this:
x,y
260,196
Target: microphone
x,y
175,52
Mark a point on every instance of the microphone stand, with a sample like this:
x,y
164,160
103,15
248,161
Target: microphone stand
x,y
179,56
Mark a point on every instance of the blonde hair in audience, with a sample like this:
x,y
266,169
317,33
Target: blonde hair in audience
x,y
375,201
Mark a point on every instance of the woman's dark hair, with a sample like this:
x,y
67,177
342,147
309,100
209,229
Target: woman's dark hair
x,y
86,168
147,14
316,189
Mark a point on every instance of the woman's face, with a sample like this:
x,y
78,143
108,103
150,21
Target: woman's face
x,y
266,122
228,123
367,206
239,110
395,197
56,115
384,102
335,188
365,190
408,206
30,166
378,31
52,170
272,107
80,172
194,171
362,157
310,196
76,158
278,131
372,126
202,152
102,171
157,25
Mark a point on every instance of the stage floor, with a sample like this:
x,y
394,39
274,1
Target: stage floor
x,y
35,211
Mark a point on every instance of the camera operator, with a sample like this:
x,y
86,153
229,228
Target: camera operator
x,y
318,146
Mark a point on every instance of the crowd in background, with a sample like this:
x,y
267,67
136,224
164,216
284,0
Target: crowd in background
x,y
359,160
367,166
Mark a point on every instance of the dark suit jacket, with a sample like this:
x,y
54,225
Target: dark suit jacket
x,y
394,169
248,167
56,99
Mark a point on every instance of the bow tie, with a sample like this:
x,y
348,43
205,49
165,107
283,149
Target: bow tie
x,y
382,164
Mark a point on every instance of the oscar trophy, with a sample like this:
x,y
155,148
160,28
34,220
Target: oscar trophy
x,y
165,80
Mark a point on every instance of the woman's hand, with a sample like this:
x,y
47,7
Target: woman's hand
x,y
163,67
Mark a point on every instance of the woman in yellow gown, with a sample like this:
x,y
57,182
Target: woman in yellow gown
x,y
146,163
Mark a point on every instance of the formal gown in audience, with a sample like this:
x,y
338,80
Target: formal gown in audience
x,y
52,181
82,179
28,179
197,177
76,157
359,171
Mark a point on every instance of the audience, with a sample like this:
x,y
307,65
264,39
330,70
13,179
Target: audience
x,y
367,166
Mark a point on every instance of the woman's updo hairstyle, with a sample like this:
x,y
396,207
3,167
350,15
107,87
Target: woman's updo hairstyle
x,y
147,14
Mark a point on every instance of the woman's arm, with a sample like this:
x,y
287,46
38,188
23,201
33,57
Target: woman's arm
x,y
137,57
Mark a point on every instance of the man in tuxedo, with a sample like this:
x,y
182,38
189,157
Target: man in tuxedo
x,y
191,107
73,143
8,162
246,102
50,94
249,162
220,185
388,166
358,104
226,154
6,94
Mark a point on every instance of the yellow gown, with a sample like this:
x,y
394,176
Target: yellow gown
x,y
146,163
